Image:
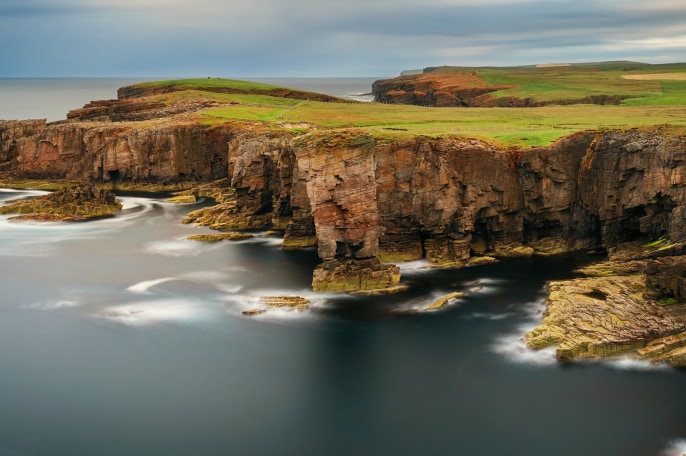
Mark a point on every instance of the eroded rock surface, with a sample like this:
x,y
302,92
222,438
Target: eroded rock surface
x,y
463,88
613,313
77,201
359,199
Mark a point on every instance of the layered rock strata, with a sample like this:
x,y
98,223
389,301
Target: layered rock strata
x,y
620,309
458,88
77,201
359,199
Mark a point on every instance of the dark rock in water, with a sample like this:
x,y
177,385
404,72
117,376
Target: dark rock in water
x,y
253,312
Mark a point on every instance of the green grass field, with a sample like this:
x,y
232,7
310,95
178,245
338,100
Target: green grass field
x,y
652,101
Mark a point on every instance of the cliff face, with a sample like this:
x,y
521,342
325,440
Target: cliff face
x,y
463,89
111,152
448,199
436,89
358,199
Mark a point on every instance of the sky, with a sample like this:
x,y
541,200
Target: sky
x,y
326,38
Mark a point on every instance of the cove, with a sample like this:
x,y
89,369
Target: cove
x,y
119,336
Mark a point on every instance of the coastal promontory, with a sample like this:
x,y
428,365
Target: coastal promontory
x,y
369,188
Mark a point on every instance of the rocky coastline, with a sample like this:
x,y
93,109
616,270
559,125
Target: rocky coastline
x,y
366,203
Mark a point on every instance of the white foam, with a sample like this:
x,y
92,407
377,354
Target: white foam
x,y
230,289
154,312
237,303
676,448
211,277
145,286
271,241
25,194
635,364
54,305
418,266
179,247
513,347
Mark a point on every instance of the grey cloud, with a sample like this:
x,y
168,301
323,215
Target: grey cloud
x,y
270,37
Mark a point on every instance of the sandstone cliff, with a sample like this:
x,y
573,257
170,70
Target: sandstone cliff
x,y
358,198
464,88
366,203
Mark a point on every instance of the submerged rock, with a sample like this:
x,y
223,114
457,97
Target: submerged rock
x,y
444,301
284,302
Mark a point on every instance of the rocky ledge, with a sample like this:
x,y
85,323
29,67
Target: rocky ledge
x,y
76,201
631,308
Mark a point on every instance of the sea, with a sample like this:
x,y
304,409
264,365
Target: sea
x,y
120,336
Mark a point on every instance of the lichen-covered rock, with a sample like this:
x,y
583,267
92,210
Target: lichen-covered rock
x,y
604,316
444,300
293,302
217,237
352,275
77,201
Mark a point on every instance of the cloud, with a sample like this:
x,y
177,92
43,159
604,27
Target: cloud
x,y
326,37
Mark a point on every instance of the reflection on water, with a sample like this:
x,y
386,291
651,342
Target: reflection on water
x,y
119,336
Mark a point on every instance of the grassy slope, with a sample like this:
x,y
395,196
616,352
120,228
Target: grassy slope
x,y
653,102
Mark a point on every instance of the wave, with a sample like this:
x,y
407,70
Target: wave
x,y
143,313
676,448
55,305
512,345
236,303
513,348
145,286
418,266
633,364
180,247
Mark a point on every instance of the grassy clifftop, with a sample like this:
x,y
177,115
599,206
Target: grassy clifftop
x,y
658,97
634,83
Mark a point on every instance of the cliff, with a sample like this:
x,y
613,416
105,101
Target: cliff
x,y
466,88
107,152
367,202
444,89
359,198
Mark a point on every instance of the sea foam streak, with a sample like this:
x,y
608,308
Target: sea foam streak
x,y
180,247
145,286
635,364
513,347
54,305
676,448
151,312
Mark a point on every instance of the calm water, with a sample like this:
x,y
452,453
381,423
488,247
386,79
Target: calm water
x,y
120,337
51,99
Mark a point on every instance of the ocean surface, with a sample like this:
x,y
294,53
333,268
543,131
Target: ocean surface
x,y
51,99
121,337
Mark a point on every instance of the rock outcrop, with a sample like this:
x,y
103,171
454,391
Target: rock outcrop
x,y
77,201
620,309
464,88
105,152
138,91
441,89
366,202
